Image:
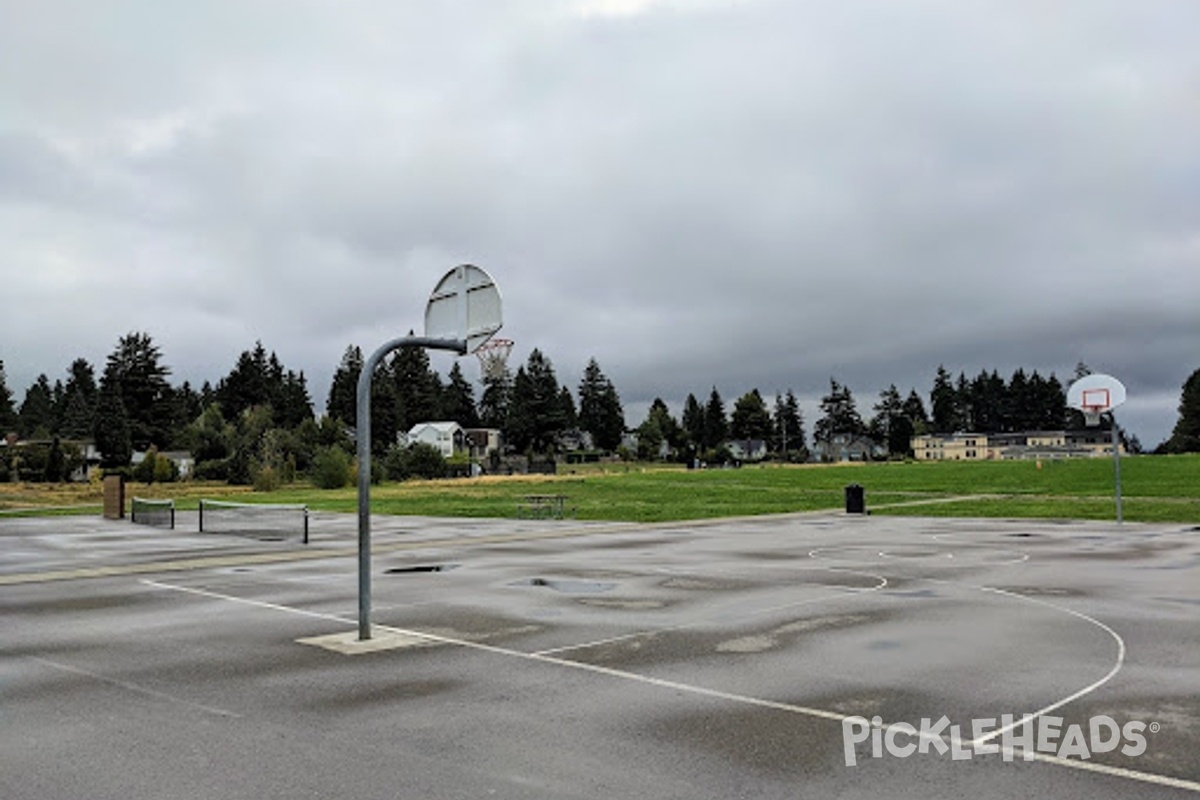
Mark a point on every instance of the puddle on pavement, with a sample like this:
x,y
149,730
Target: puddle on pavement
x,y
420,568
567,586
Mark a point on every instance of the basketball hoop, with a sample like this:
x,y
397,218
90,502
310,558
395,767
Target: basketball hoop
x,y
1095,395
493,358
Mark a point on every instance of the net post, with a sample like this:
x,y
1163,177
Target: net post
x,y
172,515
202,515
306,525
1116,446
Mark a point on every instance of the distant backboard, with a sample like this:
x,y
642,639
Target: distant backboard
x,y
466,306
1095,395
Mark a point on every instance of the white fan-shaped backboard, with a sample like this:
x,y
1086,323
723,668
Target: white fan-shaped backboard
x,y
466,306
1096,393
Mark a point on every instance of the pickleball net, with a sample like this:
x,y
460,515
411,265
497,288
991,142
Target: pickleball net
x,y
265,521
157,513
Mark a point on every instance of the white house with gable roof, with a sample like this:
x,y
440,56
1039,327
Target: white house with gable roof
x,y
447,437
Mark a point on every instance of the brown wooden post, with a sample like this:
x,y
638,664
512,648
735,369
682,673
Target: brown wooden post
x,y
114,497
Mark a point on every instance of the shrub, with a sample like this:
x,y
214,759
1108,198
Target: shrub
x,y
144,471
265,478
165,470
331,468
426,461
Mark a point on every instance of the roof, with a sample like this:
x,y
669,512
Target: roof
x,y
440,427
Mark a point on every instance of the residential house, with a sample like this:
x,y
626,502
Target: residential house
x,y
448,437
847,447
747,449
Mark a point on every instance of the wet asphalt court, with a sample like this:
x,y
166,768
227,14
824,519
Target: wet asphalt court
x,y
542,659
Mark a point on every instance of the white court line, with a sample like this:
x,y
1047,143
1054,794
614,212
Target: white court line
x,y
684,625
1145,777
918,560
1058,704
1117,772
133,687
1085,690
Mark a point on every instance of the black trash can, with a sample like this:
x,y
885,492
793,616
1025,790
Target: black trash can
x,y
855,500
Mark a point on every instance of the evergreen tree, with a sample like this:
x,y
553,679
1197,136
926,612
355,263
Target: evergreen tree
x,y
343,392
943,403
1020,412
567,403
716,426
914,411
1037,396
386,422
1052,404
418,389
890,426
658,428
79,401
666,424
839,415
964,404
536,415
988,402
1185,437
140,380
189,402
293,404
259,379
650,440
36,417
693,422
788,437
519,425
600,410
458,400
8,414
750,418
56,463
496,400
112,431
212,437
246,385
57,406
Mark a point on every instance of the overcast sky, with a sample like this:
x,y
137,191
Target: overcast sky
x,y
739,193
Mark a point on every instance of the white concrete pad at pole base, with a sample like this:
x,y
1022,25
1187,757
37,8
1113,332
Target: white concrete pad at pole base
x,y
348,643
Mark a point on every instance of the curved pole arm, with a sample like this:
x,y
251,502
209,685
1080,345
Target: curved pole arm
x,y
363,440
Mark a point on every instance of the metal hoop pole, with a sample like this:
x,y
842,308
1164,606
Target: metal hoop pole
x,y
363,436
1116,446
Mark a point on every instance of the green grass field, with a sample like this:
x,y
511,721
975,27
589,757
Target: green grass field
x,y
1155,489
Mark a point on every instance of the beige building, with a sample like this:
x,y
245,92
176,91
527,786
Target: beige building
x,y
1041,445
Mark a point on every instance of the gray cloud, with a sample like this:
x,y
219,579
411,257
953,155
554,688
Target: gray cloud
x,y
736,194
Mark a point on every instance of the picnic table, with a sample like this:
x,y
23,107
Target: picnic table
x,y
543,506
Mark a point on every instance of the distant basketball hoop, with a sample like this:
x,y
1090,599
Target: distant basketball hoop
x,y
1096,395
493,358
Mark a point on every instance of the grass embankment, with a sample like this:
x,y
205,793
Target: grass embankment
x,y
1155,489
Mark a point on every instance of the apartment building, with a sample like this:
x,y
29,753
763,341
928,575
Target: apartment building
x,y
1033,445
